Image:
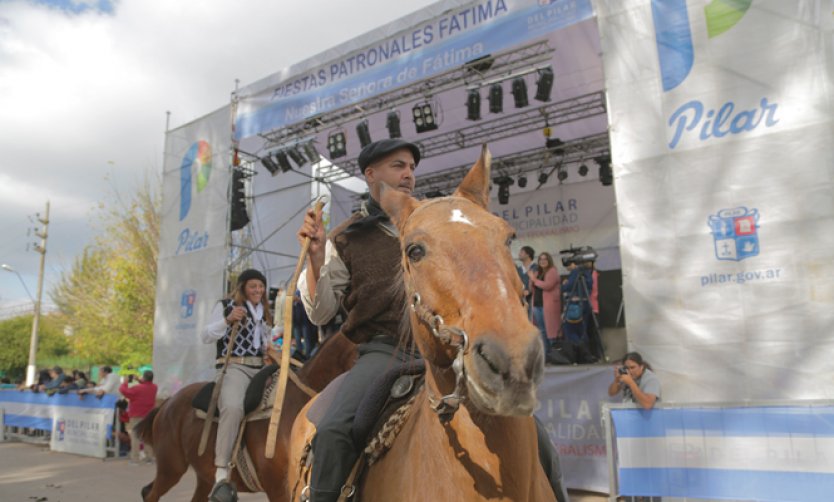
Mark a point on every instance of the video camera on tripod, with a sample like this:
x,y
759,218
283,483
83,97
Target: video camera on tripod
x,y
578,255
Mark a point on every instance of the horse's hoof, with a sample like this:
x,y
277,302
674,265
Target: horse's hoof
x,y
223,491
146,490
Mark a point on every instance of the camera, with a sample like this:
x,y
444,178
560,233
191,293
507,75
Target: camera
x,y
578,255
622,370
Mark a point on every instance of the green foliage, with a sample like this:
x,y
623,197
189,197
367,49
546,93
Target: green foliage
x,y
108,295
15,335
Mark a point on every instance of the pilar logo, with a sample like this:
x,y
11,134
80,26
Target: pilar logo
x,y
197,159
61,428
695,120
674,35
187,301
735,233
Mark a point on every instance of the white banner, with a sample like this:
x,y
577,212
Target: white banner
x,y
570,410
721,133
192,248
80,430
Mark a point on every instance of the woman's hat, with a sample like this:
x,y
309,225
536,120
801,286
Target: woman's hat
x,y
249,274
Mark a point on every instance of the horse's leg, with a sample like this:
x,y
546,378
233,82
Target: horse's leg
x,y
203,489
170,466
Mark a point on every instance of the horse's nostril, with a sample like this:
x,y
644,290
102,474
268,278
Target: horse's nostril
x,y
487,360
494,357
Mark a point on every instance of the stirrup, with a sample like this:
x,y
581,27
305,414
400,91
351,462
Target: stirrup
x,y
223,491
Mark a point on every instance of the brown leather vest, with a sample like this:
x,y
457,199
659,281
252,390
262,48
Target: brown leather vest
x,y
375,301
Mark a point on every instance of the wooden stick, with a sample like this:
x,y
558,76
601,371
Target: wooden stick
x,y
215,393
283,375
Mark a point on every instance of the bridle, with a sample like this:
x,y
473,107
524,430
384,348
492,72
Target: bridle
x,y
447,405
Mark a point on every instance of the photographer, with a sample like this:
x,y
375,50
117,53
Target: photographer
x,y
637,382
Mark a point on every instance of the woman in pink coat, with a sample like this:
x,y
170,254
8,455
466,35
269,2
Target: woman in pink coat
x,y
547,302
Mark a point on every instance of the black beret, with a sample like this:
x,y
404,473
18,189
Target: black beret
x,y
379,149
250,273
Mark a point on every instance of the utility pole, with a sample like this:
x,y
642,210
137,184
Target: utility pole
x,y
33,344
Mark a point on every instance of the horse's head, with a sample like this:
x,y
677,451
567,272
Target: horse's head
x,y
466,295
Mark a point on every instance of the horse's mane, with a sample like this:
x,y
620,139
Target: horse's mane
x,y
397,290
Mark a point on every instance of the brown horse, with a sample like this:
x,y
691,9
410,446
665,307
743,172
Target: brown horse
x,y
469,323
173,430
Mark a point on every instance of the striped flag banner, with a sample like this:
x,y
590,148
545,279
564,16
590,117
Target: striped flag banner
x,y
768,453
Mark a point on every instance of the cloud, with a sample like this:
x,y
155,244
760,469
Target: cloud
x,y
84,91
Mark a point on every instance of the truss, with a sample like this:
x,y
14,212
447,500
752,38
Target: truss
x,y
505,65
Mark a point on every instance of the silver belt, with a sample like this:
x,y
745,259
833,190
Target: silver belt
x,y
245,360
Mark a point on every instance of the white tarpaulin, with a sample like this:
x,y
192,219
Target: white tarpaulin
x,y
192,248
721,132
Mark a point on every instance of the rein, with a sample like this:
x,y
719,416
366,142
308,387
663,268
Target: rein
x,y
452,336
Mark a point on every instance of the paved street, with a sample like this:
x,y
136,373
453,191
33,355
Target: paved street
x,y
30,473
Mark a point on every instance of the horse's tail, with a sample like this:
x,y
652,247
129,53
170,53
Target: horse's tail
x,y
144,429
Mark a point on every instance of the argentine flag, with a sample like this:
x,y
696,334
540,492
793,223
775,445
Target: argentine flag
x,y
765,453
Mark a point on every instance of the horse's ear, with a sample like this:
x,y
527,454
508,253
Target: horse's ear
x,y
475,186
396,204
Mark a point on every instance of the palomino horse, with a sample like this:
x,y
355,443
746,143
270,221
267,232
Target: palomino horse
x,y
470,325
175,431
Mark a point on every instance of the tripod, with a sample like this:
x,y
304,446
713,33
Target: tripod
x,y
594,338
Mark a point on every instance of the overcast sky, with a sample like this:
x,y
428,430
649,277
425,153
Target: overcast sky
x,y
85,85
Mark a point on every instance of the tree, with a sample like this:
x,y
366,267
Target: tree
x,y
15,335
108,295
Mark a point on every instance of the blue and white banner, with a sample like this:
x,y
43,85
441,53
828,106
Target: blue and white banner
x,y
721,121
571,398
78,424
779,454
193,247
417,52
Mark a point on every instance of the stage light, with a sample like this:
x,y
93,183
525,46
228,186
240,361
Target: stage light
x,y
364,133
473,105
520,93
583,170
392,123
283,161
296,156
542,178
504,183
270,165
423,117
496,98
311,152
545,84
336,145
555,145
522,181
606,175
562,175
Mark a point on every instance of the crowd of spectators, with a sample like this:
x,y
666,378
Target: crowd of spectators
x,y
136,397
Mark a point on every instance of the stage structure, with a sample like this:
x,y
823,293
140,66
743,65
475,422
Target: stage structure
x,y
524,76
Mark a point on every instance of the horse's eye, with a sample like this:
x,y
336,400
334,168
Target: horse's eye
x,y
510,240
415,252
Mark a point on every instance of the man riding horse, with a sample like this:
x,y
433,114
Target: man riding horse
x,y
354,270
